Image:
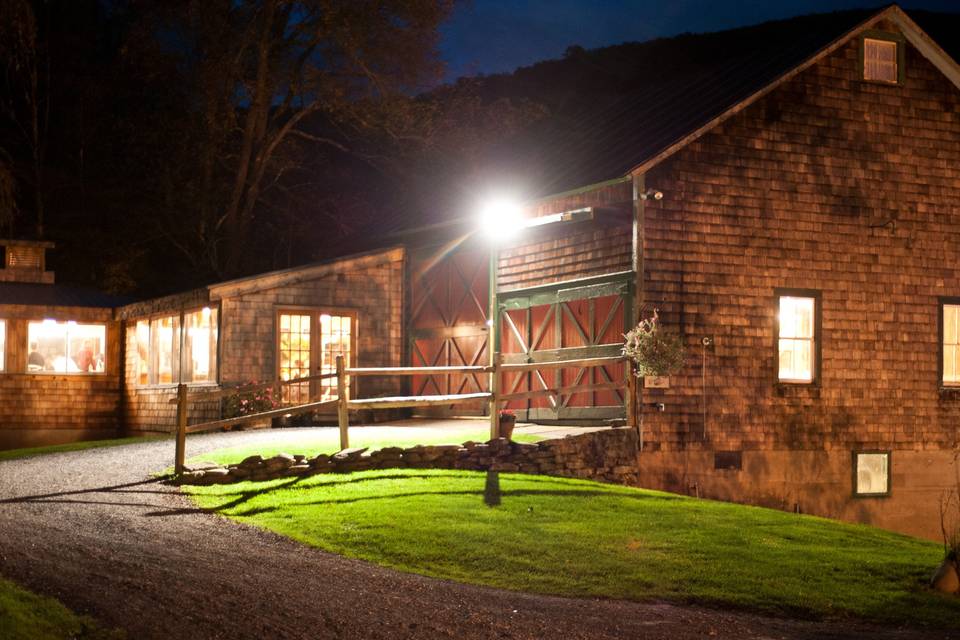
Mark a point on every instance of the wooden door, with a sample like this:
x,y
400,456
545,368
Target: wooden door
x,y
585,319
448,322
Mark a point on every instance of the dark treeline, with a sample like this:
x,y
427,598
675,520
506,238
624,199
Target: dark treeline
x,y
167,144
163,145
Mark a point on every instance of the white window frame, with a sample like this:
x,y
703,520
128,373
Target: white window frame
x,y
814,339
949,303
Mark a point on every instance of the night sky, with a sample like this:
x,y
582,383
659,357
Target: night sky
x,y
491,36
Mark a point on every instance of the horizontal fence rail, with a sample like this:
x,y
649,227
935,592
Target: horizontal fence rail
x,y
256,417
343,403
412,371
250,388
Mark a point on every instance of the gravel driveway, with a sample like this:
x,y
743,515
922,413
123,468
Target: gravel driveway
x,y
93,530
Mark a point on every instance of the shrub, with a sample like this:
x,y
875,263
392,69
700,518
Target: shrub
x,y
249,402
655,351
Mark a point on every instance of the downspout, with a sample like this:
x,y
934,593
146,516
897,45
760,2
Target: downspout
x,y
639,189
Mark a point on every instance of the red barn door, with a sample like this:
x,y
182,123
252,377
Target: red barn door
x,y
448,322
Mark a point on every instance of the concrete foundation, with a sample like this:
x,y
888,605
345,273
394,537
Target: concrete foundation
x,y
813,482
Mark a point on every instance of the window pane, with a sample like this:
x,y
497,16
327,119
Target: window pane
x,y
950,313
294,356
66,347
335,339
796,317
3,344
200,346
165,349
143,352
796,360
872,472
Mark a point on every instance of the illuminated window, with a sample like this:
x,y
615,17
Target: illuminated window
x,y
3,345
336,338
295,350
165,350
143,352
797,348
880,60
66,347
200,346
159,356
950,347
871,473
308,337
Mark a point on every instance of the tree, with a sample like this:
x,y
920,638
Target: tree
x,y
8,200
263,81
23,103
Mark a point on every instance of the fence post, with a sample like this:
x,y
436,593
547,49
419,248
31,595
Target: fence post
x,y
181,428
343,415
495,397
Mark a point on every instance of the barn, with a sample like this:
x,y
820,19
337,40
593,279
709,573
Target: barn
x,y
786,201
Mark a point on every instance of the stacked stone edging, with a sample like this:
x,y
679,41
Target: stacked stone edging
x,y
609,455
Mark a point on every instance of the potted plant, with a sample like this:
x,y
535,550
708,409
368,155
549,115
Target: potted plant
x,y
508,420
657,353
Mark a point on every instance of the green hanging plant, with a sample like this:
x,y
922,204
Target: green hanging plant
x,y
655,351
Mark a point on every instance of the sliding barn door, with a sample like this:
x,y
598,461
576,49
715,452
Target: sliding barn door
x,y
583,319
448,322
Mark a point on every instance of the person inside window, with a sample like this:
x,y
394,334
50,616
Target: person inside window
x,y
84,357
35,361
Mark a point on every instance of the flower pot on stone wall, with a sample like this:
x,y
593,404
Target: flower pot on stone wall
x,y
507,422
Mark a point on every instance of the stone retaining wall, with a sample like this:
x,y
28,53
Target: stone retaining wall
x,y
609,455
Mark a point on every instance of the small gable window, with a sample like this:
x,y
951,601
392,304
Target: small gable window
x,y
881,60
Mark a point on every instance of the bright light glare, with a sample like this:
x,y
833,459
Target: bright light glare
x,y
501,219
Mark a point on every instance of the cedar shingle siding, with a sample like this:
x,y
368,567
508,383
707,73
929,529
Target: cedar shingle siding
x,y
827,183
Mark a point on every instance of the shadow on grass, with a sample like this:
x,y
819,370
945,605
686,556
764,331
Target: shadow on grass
x,y
489,498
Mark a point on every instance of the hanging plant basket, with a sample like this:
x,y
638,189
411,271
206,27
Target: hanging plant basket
x,y
656,352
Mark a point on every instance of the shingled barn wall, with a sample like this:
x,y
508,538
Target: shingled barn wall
x,y
571,251
41,408
833,184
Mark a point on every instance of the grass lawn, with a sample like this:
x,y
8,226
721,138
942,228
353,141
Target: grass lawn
x,y
579,538
327,440
27,616
74,446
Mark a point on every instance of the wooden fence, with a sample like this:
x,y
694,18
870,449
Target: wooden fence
x,y
343,402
